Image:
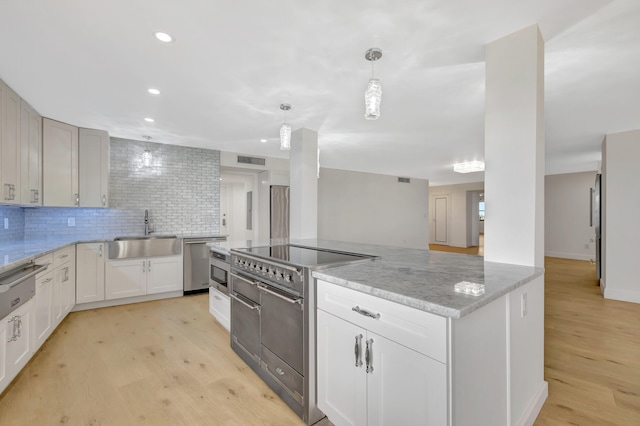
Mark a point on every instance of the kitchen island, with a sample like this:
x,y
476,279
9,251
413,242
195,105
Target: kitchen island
x,y
396,344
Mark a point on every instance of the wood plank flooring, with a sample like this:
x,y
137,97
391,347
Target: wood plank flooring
x,y
168,362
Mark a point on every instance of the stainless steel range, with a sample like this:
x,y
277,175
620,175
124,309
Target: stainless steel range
x,y
273,317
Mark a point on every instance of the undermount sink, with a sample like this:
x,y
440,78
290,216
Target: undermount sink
x,y
144,237
147,246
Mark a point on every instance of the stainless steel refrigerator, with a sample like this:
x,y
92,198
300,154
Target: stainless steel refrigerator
x,y
279,211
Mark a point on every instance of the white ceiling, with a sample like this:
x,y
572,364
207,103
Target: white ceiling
x,y
90,63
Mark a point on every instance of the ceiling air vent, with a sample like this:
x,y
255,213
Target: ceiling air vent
x,y
256,161
404,180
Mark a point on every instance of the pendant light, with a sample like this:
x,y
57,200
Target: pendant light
x,y
373,95
146,155
285,130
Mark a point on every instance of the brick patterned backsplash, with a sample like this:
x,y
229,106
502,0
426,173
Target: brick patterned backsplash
x,y
180,188
15,215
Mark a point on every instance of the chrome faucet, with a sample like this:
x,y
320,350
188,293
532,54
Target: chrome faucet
x,y
147,229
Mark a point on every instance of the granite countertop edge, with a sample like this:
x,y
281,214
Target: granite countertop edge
x,y
421,304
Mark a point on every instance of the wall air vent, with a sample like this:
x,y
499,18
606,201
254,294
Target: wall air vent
x,y
256,161
404,180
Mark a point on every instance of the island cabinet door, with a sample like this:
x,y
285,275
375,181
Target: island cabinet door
x,y
404,387
342,386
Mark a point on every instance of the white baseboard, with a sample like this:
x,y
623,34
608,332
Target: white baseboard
x,y
573,256
532,411
127,300
632,296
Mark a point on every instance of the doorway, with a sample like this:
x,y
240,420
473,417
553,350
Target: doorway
x,y
441,215
237,215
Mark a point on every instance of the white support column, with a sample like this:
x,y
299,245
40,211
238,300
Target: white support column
x,y
303,166
514,149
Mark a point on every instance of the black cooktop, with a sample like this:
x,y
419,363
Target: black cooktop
x,y
303,256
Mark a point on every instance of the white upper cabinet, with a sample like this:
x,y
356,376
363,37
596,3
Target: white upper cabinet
x,y
60,164
94,168
10,146
31,156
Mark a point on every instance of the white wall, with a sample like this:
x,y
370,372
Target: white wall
x,y
621,227
567,216
458,209
372,208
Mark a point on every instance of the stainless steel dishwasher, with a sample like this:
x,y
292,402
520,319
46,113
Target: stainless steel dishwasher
x,y
196,263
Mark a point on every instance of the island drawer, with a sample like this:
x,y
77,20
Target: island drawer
x,y
421,331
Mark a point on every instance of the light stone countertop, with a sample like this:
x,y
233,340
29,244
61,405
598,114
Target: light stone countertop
x,y
16,253
424,279
418,278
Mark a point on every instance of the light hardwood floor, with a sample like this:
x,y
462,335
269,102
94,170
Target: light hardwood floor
x,y
169,363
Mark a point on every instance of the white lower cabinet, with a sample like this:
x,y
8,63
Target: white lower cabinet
x,y
367,377
16,343
43,303
90,272
137,277
220,307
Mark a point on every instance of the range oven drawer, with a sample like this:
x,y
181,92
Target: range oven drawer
x,y
245,324
283,325
283,373
246,287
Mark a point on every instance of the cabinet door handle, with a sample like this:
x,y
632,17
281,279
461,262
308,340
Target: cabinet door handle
x,y
77,199
104,200
66,274
7,192
358,351
148,265
14,335
48,280
100,251
364,312
368,356
144,267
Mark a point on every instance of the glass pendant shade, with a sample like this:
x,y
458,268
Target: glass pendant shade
x,y
146,158
285,137
372,99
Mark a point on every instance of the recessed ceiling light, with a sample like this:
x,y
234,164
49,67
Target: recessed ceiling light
x,y
149,120
164,37
469,167
263,140
154,91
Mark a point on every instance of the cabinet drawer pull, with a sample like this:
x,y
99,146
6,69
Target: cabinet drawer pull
x,y
48,280
368,356
357,351
144,266
104,200
279,371
100,251
63,256
364,312
217,297
77,202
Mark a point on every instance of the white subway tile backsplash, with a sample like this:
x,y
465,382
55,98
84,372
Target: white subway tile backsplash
x,y
180,189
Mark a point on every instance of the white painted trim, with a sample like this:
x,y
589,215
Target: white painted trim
x,y
568,255
622,295
126,300
531,413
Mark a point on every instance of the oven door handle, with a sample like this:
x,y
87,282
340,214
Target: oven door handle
x,y
285,298
237,297
243,279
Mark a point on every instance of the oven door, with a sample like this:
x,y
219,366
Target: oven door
x,y
245,316
283,325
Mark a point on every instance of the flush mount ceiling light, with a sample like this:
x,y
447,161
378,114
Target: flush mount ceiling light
x,y
469,167
149,120
285,130
146,155
163,37
154,91
373,95
263,140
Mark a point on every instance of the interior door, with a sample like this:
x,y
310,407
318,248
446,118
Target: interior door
x,y
441,225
